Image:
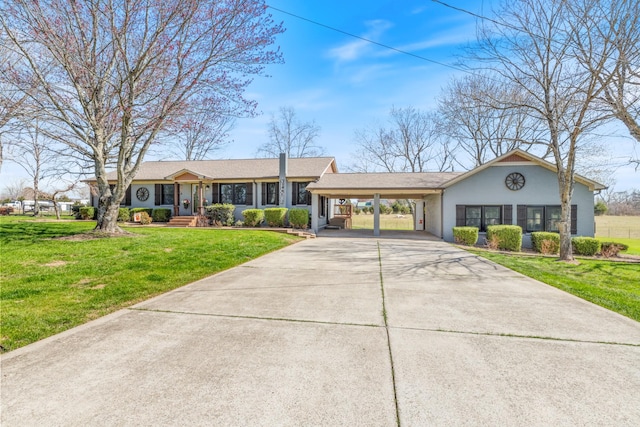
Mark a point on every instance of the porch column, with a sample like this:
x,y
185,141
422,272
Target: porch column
x,y
176,199
376,214
315,211
200,199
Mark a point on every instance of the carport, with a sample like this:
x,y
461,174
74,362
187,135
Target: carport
x,y
425,188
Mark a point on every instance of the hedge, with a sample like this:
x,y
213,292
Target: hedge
x,y
465,235
275,216
587,246
148,211
253,217
145,219
221,213
509,237
124,214
161,215
87,212
611,249
299,218
545,242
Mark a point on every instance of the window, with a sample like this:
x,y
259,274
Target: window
x,y
300,194
544,218
270,193
482,216
236,194
167,194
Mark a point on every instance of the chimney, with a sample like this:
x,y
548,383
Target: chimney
x,y
284,169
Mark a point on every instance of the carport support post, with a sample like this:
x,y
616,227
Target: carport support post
x,y
315,211
376,214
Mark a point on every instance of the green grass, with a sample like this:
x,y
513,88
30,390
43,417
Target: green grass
x,y
610,284
634,244
387,222
50,285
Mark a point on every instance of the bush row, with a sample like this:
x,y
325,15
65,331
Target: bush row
x,y
126,214
276,217
549,243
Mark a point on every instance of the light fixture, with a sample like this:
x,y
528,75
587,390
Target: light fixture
x,y
208,186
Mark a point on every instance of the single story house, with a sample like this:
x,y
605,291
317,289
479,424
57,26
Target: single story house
x,y
516,188
186,186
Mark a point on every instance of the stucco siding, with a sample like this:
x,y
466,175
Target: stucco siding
x,y
488,187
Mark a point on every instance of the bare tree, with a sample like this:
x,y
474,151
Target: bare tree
x,y
287,134
530,44
411,142
478,112
113,75
14,189
199,134
34,153
613,22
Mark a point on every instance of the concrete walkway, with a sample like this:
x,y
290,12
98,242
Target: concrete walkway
x,y
300,337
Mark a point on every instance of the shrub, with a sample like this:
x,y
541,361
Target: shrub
x,y
221,214
587,246
275,216
124,214
465,235
299,218
545,242
509,236
252,217
75,211
145,219
87,212
611,249
600,208
493,243
161,215
148,211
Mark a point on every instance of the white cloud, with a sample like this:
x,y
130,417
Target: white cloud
x,y
356,49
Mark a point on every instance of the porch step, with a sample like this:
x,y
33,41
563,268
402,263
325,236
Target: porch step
x,y
338,222
301,233
182,221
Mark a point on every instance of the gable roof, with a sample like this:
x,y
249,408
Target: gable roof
x,y
520,156
309,167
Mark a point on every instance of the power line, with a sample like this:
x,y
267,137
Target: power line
x,y
404,52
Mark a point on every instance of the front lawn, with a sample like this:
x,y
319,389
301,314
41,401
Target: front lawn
x,y
610,284
51,284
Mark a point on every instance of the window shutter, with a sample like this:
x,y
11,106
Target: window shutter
x,y
507,214
574,219
249,193
522,217
276,188
460,209
263,199
215,193
308,196
294,193
127,196
158,194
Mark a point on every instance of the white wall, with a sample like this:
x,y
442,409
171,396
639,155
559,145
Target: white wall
x,y
433,220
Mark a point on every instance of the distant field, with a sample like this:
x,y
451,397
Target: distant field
x,y
387,222
627,227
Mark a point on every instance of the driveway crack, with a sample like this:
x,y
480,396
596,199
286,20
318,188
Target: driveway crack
x,y
386,328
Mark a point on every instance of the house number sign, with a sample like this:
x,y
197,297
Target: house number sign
x,y
283,189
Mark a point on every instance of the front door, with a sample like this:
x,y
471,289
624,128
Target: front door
x,y
195,199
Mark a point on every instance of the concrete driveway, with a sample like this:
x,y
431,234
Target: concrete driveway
x,y
300,337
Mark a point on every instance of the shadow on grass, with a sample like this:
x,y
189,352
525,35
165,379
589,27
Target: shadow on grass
x,y
25,231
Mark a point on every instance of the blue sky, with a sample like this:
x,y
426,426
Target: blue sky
x,y
346,84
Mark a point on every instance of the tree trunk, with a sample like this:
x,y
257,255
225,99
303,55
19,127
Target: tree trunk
x,y
108,216
566,187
